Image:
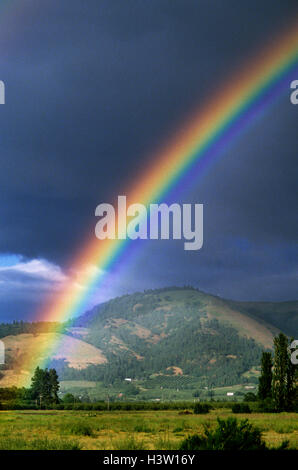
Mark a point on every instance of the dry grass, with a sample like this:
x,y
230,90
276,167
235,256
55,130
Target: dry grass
x,y
159,430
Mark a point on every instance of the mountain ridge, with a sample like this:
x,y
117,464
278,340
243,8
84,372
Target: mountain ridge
x,y
158,332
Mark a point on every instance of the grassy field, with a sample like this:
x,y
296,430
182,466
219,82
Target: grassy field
x,y
132,430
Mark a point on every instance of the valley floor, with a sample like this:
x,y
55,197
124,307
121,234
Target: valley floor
x,y
126,430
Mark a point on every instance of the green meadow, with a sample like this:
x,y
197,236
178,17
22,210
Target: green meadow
x,y
127,430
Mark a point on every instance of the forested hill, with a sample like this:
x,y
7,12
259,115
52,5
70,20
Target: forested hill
x,y
172,332
163,310
175,330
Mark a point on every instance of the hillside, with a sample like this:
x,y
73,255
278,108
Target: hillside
x,y
162,331
282,315
20,348
168,338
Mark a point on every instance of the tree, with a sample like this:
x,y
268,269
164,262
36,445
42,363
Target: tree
x,y
69,398
283,380
54,385
37,382
265,380
45,385
250,396
292,382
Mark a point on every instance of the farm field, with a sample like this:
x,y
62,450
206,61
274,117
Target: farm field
x,y
159,388
126,430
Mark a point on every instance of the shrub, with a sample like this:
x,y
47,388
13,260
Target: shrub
x,y
201,408
68,406
228,435
241,408
97,406
80,429
78,406
59,406
267,406
88,406
250,397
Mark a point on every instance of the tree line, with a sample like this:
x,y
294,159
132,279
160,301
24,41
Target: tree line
x,y
278,383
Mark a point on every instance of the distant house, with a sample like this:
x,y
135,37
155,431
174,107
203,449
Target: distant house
x,y
249,386
230,394
128,379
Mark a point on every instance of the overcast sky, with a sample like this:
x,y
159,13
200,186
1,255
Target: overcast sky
x,y
95,86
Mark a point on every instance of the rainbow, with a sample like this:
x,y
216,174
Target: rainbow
x,y
234,106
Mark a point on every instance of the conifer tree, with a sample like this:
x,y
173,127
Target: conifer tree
x,y
45,385
54,385
265,380
283,383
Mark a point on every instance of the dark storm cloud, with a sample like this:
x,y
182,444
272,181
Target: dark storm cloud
x,y
93,87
